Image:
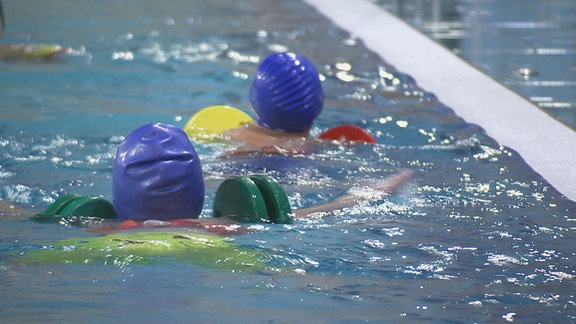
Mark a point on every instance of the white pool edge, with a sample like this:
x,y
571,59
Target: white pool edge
x,y
547,145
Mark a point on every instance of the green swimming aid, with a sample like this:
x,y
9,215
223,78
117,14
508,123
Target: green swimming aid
x,y
151,247
252,199
76,206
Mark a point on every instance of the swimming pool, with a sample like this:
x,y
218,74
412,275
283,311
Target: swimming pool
x,y
477,236
527,45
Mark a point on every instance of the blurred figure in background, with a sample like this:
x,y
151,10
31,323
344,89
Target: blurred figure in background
x,y
27,51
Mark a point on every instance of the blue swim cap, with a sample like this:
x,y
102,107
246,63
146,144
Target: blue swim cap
x,y
286,93
157,175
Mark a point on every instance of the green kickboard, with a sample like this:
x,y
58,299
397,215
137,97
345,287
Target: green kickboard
x,y
252,199
151,247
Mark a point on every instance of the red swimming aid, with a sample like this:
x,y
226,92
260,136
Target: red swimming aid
x,y
348,133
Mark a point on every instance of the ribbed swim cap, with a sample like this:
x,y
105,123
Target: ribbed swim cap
x,y
157,175
286,93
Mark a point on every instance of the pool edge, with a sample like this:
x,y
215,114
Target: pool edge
x,y
472,94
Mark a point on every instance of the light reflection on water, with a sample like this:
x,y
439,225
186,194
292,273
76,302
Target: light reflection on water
x,y
527,45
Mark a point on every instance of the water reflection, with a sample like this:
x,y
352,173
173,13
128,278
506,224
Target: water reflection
x,y
528,45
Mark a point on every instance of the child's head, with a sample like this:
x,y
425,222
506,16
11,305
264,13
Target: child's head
x,y
287,93
157,175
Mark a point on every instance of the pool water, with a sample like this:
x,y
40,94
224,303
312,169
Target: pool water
x,y
475,236
529,46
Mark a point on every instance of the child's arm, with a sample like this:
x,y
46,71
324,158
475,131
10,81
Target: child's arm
x,y
383,187
10,210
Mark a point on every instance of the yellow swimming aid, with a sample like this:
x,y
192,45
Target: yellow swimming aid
x,y
30,51
210,123
38,51
150,247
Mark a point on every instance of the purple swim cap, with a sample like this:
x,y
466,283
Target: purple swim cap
x,y
287,93
157,175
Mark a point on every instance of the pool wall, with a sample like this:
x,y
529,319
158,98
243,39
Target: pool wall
x,y
545,144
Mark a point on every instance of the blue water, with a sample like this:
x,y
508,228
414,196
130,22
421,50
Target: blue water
x,y
476,236
528,45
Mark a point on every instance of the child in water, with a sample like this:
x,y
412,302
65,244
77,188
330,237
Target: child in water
x,y
286,96
27,51
157,175
157,180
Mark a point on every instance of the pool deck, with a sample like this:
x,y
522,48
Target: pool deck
x,y
547,145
